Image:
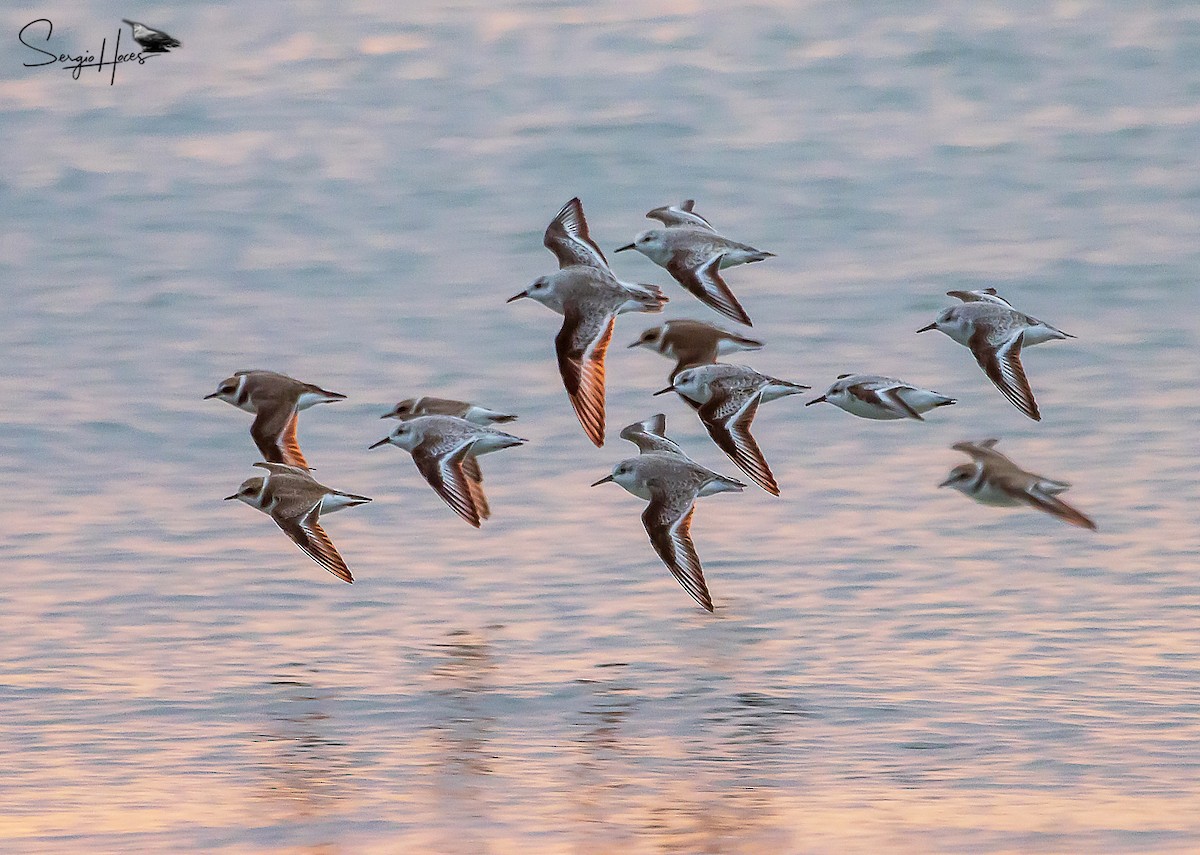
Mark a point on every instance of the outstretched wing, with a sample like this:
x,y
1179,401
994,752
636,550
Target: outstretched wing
x,y
444,473
474,476
1046,501
705,282
1003,367
668,521
274,432
307,533
728,419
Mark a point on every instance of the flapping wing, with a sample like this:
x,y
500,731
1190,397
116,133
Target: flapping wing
x,y
982,295
983,450
306,531
705,282
728,422
1003,367
445,475
581,346
568,238
274,432
474,476
668,521
680,215
650,435
1051,504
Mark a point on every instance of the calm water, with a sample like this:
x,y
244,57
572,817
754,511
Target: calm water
x,y
349,198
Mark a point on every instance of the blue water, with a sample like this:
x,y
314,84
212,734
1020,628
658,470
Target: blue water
x,y
349,197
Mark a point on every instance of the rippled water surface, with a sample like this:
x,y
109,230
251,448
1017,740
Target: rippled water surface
x,y
349,193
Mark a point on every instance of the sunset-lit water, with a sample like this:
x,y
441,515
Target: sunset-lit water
x,y
349,198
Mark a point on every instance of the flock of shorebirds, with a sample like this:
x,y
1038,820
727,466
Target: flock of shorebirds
x,y
447,437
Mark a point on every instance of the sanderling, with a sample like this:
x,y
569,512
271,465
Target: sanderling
x,y
428,406
155,41
873,397
295,501
693,253
671,484
692,343
993,479
995,333
729,396
1038,332
276,401
441,447
589,297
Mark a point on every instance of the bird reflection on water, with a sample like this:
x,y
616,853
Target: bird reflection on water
x,y
305,769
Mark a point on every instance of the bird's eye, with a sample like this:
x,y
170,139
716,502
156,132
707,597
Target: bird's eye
x,y
225,390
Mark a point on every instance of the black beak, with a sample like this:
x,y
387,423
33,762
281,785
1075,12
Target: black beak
x,y
603,480
383,441
635,344
664,391
932,326
227,498
213,395
625,247
517,296
815,401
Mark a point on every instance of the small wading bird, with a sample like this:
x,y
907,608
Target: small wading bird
x,y
276,401
728,397
443,447
428,406
870,396
995,332
290,496
691,343
412,407
154,41
672,483
992,479
589,297
690,249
